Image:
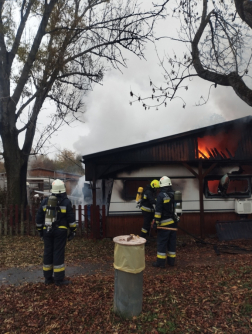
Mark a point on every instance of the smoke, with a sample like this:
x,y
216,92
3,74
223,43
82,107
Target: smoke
x,y
110,120
229,104
210,120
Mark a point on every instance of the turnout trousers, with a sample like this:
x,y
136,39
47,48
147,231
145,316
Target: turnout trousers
x,y
148,217
54,253
166,247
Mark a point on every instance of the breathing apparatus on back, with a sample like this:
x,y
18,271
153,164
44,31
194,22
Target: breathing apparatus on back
x,y
58,187
178,203
154,185
165,181
139,196
51,212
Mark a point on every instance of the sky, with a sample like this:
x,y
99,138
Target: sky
x,y
110,121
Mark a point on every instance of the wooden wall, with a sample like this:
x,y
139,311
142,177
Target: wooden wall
x,y
123,225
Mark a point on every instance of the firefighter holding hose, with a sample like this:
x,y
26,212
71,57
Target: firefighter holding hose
x,y
165,218
55,215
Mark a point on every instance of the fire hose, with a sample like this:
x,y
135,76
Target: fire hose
x,y
234,249
167,228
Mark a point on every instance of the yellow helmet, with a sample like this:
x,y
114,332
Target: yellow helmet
x,y
155,184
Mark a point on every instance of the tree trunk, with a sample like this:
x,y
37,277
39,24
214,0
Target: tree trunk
x,y
16,170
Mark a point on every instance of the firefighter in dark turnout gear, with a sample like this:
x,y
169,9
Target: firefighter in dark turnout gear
x,y
165,217
54,217
147,202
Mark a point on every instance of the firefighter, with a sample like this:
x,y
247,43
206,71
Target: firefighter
x,y
55,215
147,202
165,217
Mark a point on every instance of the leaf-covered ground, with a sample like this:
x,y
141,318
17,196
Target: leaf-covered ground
x,y
203,293
23,251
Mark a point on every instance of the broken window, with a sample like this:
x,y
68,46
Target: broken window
x,y
227,186
131,186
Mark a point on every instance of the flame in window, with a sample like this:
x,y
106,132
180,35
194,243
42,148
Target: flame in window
x,y
223,146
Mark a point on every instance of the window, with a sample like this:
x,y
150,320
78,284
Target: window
x,y
131,186
236,187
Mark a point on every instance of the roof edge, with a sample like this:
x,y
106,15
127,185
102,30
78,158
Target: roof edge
x,y
245,119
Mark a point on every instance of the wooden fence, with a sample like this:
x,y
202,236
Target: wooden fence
x,y
16,220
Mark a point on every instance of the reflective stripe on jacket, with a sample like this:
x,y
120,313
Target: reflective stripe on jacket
x,y
65,213
165,207
148,200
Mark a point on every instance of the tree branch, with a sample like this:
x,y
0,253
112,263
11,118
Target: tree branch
x,y
3,51
25,105
201,71
34,49
20,30
244,9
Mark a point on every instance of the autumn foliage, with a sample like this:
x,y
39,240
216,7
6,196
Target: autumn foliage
x,y
203,293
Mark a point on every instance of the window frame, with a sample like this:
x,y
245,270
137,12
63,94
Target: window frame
x,y
231,177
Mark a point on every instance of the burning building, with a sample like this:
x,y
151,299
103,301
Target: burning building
x,y
211,166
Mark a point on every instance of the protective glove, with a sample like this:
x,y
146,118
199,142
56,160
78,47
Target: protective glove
x,y
155,225
138,204
71,236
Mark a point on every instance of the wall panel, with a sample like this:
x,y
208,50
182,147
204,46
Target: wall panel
x,y
190,222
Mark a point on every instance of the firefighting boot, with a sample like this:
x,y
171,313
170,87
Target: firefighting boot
x,y
143,234
158,265
62,282
171,261
49,281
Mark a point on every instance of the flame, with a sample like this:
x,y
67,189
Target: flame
x,y
203,152
224,143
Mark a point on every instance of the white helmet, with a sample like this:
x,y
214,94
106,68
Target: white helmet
x,y
58,187
165,181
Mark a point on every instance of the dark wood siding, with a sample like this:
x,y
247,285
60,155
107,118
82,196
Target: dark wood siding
x,y
176,150
234,137
123,225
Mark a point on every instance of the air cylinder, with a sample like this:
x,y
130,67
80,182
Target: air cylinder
x,y
139,194
129,263
178,202
51,211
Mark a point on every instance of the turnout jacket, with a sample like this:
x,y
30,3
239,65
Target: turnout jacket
x,y
164,213
65,213
148,200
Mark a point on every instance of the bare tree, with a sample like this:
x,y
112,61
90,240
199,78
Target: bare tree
x,y
65,160
216,36
69,161
55,50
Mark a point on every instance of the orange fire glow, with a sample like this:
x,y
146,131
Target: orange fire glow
x,y
233,187
223,144
213,186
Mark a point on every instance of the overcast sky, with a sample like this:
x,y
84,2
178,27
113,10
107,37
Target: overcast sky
x,y
110,121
